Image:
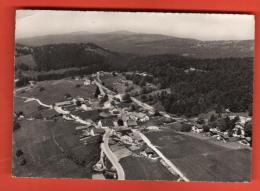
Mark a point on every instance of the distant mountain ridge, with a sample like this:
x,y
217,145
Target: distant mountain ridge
x,y
150,44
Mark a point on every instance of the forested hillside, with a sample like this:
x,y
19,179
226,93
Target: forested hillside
x,y
150,44
198,85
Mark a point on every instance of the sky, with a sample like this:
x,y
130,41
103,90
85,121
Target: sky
x,y
31,23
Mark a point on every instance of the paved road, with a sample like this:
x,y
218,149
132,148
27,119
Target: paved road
x,y
145,139
37,100
111,156
142,104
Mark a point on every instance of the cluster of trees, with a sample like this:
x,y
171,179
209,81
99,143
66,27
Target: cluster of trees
x,y
139,79
75,59
22,50
217,84
222,123
53,57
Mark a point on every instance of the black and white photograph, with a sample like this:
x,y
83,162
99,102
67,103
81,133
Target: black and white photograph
x,y
122,95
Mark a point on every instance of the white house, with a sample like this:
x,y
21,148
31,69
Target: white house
x,y
139,116
87,82
238,131
197,129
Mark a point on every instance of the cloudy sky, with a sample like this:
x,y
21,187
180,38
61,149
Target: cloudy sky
x,y
31,23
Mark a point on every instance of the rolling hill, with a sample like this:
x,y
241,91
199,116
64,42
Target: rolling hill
x,y
150,44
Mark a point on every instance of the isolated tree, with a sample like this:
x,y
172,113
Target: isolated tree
x,y
212,118
78,103
97,92
120,122
19,153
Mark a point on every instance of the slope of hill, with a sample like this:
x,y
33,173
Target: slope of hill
x,y
150,44
198,85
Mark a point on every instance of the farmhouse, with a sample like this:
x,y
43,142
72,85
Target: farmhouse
x,y
87,82
138,116
197,128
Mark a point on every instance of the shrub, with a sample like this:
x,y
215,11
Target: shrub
x,y
77,85
120,122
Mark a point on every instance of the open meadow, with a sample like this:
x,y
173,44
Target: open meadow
x,y
201,160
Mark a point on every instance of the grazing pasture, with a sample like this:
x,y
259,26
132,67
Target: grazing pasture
x,y
50,92
202,160
144,169
51,149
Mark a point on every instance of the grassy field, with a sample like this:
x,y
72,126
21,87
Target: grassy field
x,y
201,160
56,90
144,169
38,140
27,108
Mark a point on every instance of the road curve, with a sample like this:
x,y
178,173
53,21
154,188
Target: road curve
x,y
111,156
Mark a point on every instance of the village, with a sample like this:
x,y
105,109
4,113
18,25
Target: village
x,y
123,121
